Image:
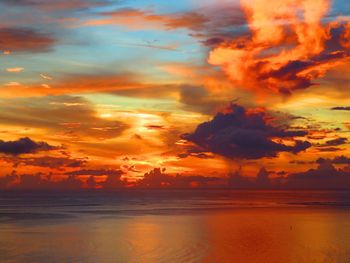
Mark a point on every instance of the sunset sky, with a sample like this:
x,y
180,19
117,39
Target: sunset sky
x,y
98,93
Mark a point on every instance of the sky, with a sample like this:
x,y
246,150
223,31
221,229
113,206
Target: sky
x,y
125,93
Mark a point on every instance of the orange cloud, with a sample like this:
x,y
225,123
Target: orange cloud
x,y
15,70
72,84
287,49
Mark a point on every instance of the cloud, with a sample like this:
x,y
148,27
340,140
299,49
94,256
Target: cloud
x,y
25,40
262,180
199,99
40,181
24,145
66,116
157,178
140,19
77,83
329,149
336,160
98,172
325,176
57,4
15,70
341,160
112,178
341,108
50,181
245,134
337,142
292,57
113,181
208,23
47,162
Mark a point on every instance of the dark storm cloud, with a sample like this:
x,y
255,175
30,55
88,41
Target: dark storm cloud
x,y
239,133
25,40
24,145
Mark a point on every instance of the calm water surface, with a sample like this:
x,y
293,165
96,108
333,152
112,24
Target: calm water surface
x,y
175,226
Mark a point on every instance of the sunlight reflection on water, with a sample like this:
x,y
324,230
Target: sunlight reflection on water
x,y
241,234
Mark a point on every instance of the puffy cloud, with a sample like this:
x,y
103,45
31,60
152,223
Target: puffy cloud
x,y
246,134
25,40
24,145
292,57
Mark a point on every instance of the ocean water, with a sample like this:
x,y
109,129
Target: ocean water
x,y
175,226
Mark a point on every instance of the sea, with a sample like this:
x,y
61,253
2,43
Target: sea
x,y
194,225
